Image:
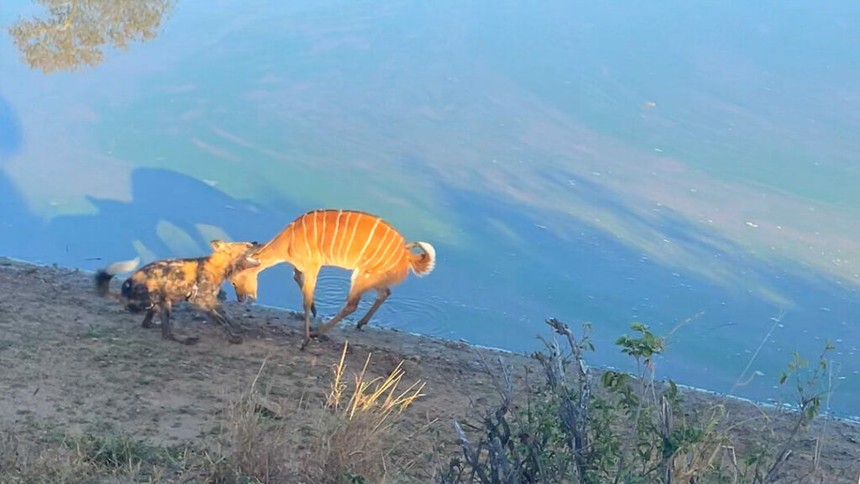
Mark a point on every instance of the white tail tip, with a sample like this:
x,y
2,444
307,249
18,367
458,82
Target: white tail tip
x,y
122,267
431,251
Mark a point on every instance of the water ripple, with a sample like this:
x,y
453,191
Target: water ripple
x,y
403,309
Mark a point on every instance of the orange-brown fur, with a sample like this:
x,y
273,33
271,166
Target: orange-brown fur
x,y
378,255
156,286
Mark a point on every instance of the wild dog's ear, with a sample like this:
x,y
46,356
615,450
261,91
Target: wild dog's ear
x,y
216,244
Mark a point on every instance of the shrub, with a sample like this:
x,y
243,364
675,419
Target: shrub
x,y
629,428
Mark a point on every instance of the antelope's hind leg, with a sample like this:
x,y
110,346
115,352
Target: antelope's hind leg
x,y
382,294
351,305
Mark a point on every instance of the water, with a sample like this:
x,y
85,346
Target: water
x,y
690,166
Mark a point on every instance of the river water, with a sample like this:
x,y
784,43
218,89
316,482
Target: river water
x,y
686,165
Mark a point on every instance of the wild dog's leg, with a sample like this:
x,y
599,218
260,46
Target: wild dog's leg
x,y
228,324
147,320
299,277
167,330
382,294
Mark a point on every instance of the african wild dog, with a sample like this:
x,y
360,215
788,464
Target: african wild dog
x,y
157,285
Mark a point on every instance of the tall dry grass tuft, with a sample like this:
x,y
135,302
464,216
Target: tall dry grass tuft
x,y
364,399
255,444
359,439
352,436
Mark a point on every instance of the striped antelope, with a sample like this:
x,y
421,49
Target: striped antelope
x,y
378,255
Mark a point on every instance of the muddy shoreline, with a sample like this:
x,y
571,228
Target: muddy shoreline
x,y
76,362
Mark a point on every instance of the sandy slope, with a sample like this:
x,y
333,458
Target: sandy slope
x,y
75,361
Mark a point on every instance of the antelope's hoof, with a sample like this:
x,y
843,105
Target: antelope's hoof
x,y
235,339
319,337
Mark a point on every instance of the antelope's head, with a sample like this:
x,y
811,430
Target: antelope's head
x,y
245,284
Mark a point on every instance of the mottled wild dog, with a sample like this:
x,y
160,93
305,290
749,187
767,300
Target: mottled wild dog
x,y
156,286
377,254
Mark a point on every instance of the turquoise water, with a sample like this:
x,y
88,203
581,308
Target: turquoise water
x,y
603,163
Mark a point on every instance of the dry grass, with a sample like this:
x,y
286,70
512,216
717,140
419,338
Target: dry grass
x,y
254,444
354,435
367,400
22,463
73,364
350,440
360,441
61,458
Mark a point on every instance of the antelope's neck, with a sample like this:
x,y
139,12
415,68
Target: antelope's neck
x,y
275,251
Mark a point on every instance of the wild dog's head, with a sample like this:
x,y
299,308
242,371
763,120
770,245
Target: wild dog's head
x,y
236,256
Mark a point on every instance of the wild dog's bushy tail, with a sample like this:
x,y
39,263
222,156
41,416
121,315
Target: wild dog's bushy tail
x,y
422,264
103,276
103,282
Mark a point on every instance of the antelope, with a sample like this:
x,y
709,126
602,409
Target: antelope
x,y
377,254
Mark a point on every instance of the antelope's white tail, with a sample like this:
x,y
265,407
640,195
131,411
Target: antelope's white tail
x,y
422,264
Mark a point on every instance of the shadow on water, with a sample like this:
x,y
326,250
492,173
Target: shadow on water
x,y
75,33
177,203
